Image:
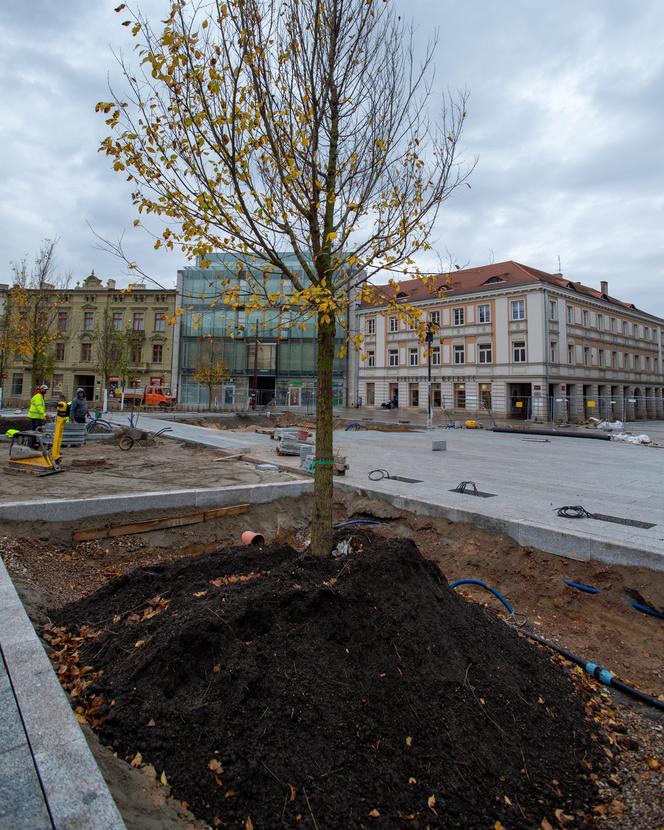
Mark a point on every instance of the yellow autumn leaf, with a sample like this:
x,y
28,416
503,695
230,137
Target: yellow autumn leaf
x,y
137,760
163,779
409,741
332,235
374,813
431,802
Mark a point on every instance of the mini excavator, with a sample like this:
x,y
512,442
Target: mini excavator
x,y
29,453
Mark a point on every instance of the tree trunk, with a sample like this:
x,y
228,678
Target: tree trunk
x,y
321,524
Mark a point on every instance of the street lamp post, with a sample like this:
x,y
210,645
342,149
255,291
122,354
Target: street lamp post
x,y
429,341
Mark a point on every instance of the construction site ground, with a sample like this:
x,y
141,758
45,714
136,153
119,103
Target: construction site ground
x,y
101,468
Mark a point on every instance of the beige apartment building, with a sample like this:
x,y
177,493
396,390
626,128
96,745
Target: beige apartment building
x,y
78,315
519,342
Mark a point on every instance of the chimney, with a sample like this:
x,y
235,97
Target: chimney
x,y
604,287
111,285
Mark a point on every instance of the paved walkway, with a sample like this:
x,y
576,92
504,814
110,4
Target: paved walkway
x,y
529,478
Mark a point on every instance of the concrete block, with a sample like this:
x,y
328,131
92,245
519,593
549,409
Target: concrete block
x,y
438,445
22,804
76,792
11,727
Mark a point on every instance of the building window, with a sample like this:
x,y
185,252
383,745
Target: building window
x,y
435,355
614,324
393,357
518,309
485,396
570,355
139,321
626,360
635,330
625,328
118,320
614,360
434,318
60,351
413,357
570,314
553,351
519,351
160,321
484,352
646,333
63,321
371,358
459,395
647,364
17,384
414,394
586,318
393,324
370,325
371,394
600,357
637,362
600,322
459,355
458,316
484,313
58,380
553,310
88,320
86,352
586,355
157,352
136,353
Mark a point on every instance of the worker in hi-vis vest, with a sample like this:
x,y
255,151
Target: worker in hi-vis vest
x,y
37,411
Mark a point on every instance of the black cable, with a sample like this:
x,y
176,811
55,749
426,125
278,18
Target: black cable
x,y
573,511
378,475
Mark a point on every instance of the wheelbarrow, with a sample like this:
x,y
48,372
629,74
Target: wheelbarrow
x,y
138,437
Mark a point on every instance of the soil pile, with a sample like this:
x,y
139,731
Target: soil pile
x,y
276,690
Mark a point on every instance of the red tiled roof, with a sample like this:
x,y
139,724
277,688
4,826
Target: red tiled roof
x,y
486,277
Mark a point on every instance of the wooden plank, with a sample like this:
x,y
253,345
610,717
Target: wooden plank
x,y
159,524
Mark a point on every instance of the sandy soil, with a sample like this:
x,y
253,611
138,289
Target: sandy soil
x,y
106,469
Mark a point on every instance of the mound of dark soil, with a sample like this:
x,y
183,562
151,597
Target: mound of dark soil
x,y
283,691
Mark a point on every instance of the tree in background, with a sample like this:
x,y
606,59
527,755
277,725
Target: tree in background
x,y
7,340
209,367
35,298
256,127
109,344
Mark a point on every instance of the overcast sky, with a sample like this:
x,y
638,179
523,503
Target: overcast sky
x,y
566,116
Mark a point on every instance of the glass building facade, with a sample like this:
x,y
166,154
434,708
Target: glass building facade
x,y
273,349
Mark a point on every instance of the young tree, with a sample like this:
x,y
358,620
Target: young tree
x,y
256,127
7,339
35,297
109,346
209,368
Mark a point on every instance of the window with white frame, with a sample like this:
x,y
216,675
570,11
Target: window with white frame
x,y
393,357
614,360
370,325
600,322
553,351
553,310
518,309
413,357
371,358
614,324
484,313
635,330
435,355
600,357
570,314
646,332
637,362
625,327
519,351
571,355
586,355
459,355
459,316
647,364
392,324
586,318
434,318
626,360
484,353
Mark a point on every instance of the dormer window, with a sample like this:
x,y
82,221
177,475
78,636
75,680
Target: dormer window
x,y
493,280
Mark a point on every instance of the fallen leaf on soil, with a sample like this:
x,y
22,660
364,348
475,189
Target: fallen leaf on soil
x,y
229,794
216,668
133,618
137,760
163,779
653,763
235,578
562,818
409,742
215,766
431,803
374,813
248,825
292,792
545,825
200,593
139,643
412,780
507,800
151,722
117,618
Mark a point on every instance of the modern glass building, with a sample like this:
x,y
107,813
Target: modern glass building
x,y
274,349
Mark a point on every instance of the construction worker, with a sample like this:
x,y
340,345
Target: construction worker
x,y
37,411
78,409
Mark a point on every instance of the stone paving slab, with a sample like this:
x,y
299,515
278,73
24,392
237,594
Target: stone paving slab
x,y
48,776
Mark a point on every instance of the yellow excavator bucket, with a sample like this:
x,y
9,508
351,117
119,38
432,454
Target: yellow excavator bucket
x,y
28,453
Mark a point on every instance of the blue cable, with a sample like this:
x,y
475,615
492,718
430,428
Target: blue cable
x,y
479,582
587,589
646,609
358,522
